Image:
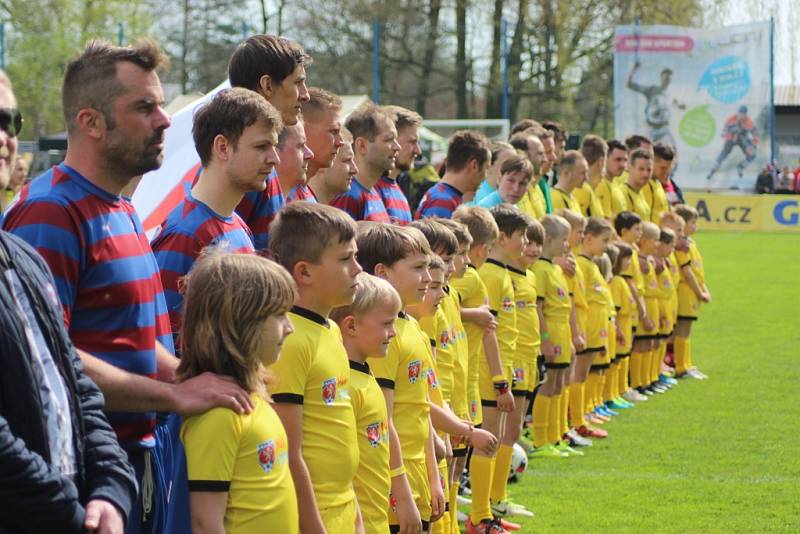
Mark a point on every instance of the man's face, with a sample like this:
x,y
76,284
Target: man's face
x,y
339,176
288,95
513,186
382,152
253,158
294,156
549,154
8,144
536,154
134,141
579,172
640,172
616,162
324,137
19,174
408,139
560,144
661,169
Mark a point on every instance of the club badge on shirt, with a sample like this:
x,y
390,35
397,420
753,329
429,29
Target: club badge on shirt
x,y
266,455
374,434
329,391
414,369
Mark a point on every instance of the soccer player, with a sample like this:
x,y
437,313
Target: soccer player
x,y
115,125
632,143
332,181
646,338
594,150
275,68
323,128
573,171
512,186
657,112
554,308
238,465
375,148
367,328
532,142
316,244
626,308
401,256
468,156
407,124
617,161
500,152
294,157
692,290
654,192
640,168
235,135
667,291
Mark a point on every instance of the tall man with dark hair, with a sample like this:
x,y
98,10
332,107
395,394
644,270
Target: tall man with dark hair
x,y
106,276
275,68
394,197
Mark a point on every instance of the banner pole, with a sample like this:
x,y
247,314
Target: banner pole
x,y
505,68
772,89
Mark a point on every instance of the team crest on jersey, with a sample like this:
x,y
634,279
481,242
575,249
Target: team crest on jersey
x,y
598,288
433,382
521,304
473,408
444,339
557,350
519,375
603,333
374,434
508,304
560,292
329,391
414,369
266,455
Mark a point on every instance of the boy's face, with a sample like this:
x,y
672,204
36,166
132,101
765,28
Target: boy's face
x,y
373,331
334,277
531,252
480,252
435,293
515,244
274,331
663,250
632,234
576,235
449,264
691,227
513,186
410,277
460,261
647,245
595,245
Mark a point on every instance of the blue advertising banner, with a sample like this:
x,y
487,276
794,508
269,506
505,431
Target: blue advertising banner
x,y
708,93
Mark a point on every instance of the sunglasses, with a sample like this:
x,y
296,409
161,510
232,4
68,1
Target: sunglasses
x,y
10,121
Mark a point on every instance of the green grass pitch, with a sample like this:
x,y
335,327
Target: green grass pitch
x,y
720,455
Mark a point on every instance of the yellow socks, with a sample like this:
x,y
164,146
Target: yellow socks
x,y
454,528
624,369
610,388
554,421
502,465
577,404
637,359
681,348
564,412
541,417
481,470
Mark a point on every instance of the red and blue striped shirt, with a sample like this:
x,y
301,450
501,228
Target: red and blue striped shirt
x,y
301,192
258,209
394,200
361,204
191,227
106,277
441,200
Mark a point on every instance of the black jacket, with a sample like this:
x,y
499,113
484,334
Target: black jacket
x,y
33,496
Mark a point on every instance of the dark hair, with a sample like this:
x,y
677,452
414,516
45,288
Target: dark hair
x,y
498,147
559,132
228,114
593,148
636,141
625,220
666,236
535,231
440,238
260,55
363,122
522,125
640,153
509,219
613,144
624,250
465,146
664,151
90,80
520,141
517,163
596,226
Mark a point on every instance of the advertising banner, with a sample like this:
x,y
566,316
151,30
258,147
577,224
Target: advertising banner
x,y
707,92
746,213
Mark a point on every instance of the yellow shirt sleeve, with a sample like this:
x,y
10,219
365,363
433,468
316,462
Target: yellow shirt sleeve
x,y
211,441
292,368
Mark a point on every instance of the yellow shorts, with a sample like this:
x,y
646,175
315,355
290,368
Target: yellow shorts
x,y
524,379
561,338
485,384
666,322
602,358
417,475
611,341
651,305
626,325
597,329
340,518
688,303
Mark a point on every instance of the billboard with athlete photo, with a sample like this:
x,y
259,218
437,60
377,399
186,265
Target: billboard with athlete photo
x,y
708,93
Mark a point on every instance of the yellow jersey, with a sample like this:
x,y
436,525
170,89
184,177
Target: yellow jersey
x,y
610,197
656,199
694,260
635,202
314,371
458,340
650,281
247,456
537,200
621,179
622,297
372,483
405,371
501,301
561,199
588,202
634,271
442,337
528,335
552,289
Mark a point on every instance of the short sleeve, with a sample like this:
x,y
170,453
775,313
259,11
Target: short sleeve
x,y
291,371
684,258
385,369
541,283
211,442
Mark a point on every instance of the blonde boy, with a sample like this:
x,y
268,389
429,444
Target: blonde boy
x,y
625,307
642,362
666,298
316,244
367,328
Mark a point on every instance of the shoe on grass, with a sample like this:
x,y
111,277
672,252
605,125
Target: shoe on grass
x,y
563,446
508,526
487,526
624,402
695,373
548,450
461,517
578,439
588,431
615,404
509,508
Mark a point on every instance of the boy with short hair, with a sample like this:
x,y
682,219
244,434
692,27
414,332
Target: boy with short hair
x,y
692,290
625,307
666,293
572,173
316,244
642,360
367,328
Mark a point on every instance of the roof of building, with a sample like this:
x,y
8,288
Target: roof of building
x,y
787,95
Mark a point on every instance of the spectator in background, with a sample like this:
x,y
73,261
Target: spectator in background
x,y
19,176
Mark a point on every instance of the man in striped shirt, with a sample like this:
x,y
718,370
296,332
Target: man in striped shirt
x,y
106,276
294,158
407,124
468,158
375,147
273,67
235,135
